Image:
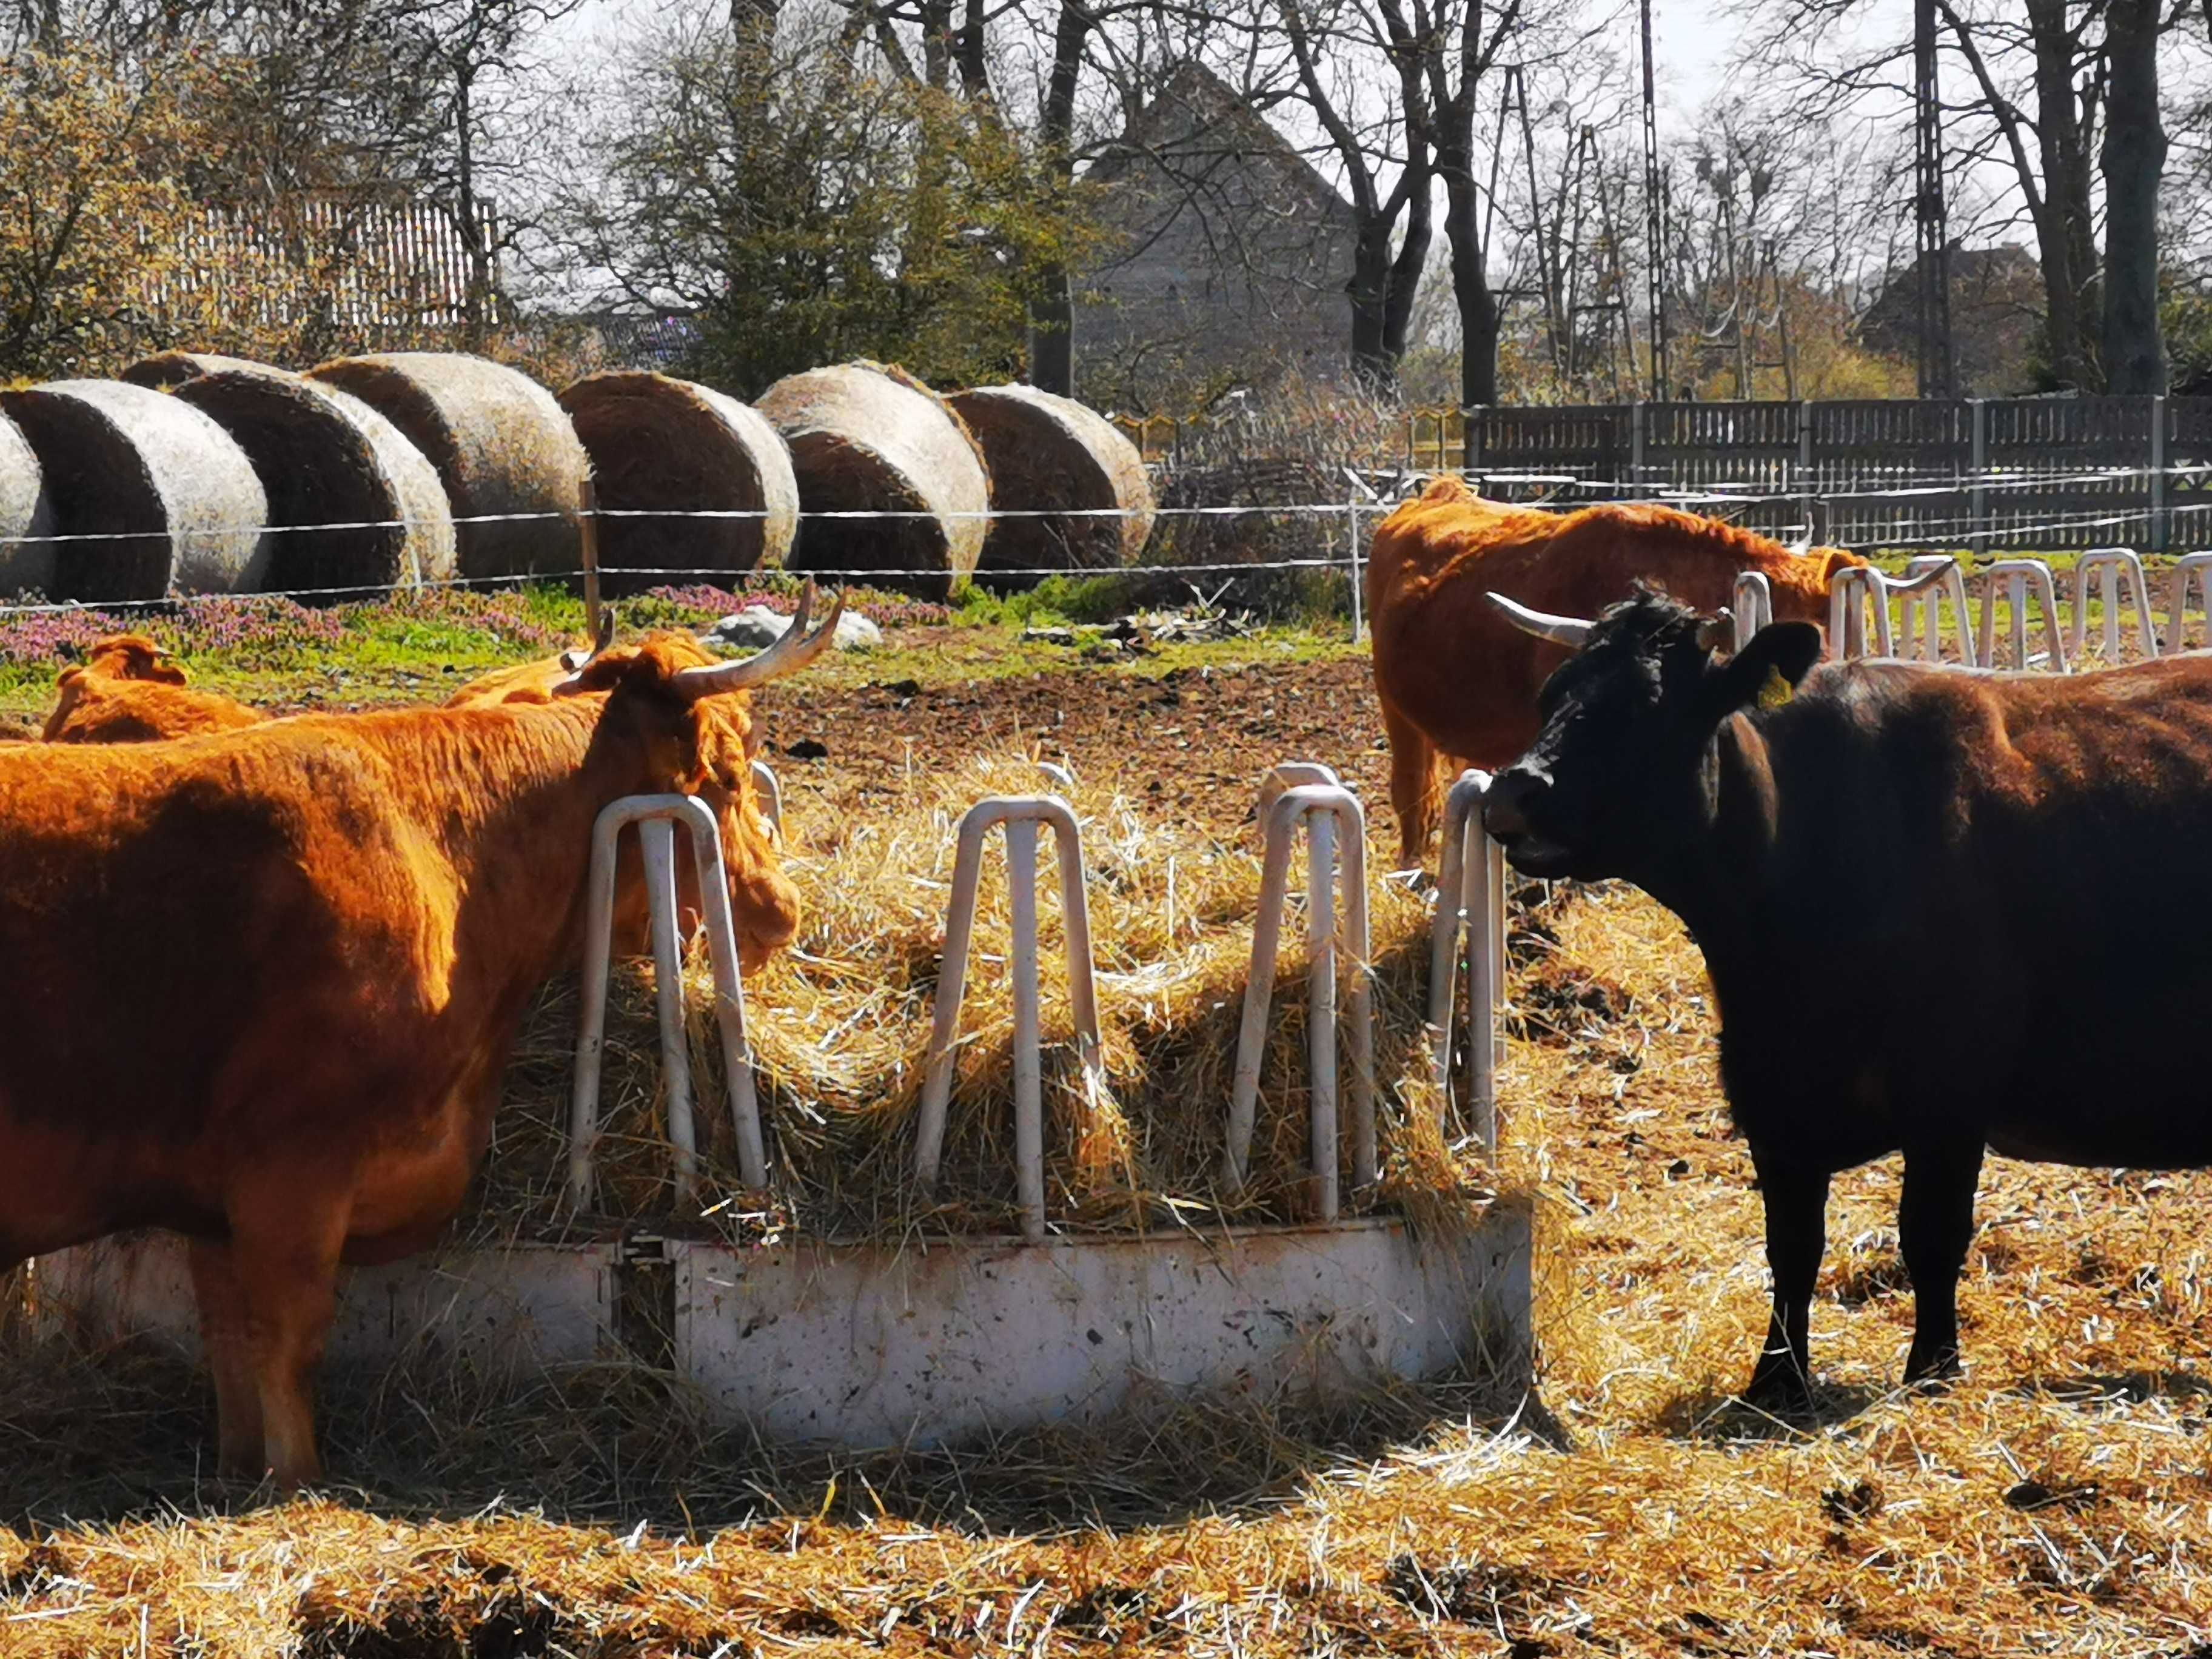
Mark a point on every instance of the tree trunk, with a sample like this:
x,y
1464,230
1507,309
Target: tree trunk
x,y
2134,160
1478,306
1369,286
2065,239
974,73
1405,271
1052,308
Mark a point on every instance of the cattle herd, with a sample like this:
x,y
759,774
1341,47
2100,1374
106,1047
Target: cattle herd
x,y
269,971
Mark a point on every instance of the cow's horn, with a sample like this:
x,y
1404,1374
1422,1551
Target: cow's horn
x,y
1561,630
1926,578
788,655
1717,631
573,660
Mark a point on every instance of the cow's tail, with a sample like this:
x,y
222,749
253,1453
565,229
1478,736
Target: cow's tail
x,y
1416,786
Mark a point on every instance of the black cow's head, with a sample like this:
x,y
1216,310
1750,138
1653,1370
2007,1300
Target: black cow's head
x,y
1622,774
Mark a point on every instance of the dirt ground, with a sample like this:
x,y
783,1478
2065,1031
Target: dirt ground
x,y
2056,1500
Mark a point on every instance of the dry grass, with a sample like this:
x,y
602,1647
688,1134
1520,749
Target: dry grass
x,y
842,1025
2056,1500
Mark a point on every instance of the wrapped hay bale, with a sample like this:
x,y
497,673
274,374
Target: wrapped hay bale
x,y
662,444
27,563
326,458
1048,454
174,496
865,437
499,442
165,370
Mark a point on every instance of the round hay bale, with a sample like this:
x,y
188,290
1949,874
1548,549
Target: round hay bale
x,y
174,495
865,437
662,444
499,442
326,458
1049,454
164,370
27,562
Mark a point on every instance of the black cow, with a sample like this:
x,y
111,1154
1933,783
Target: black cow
x,y
1968,873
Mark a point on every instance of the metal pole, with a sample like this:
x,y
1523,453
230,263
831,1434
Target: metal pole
x,y
590,1041
729,989
1258,990
1029,1091
951,984
1320,1007
657,837
1352,522
1481,891
587,536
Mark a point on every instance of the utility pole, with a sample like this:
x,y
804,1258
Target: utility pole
x,y
1938,374
1655,218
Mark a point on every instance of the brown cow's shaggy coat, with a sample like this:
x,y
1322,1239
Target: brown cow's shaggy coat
x,y
1457,680
267,980
131,690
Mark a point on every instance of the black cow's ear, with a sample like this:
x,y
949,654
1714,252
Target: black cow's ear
x,y
1767,669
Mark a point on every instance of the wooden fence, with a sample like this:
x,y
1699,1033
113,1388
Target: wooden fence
x,y
358,266
1982,473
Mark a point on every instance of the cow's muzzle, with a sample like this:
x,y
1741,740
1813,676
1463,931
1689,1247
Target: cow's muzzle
x,y
1515,794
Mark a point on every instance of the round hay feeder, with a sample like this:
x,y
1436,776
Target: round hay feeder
x,y
500,444
1047,455
27,563
327,458
868,439
660,444
174,498
167,370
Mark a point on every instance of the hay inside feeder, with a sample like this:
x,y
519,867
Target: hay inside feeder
x,y
500,443
865,437
1048,454
658,443
177,498
27,563
326,458
840,1025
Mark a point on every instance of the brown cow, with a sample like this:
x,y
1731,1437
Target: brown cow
x,y
266,981
129,689
1457,679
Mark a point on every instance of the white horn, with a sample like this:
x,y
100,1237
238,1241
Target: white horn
x,y
788,655
1560,630
572,659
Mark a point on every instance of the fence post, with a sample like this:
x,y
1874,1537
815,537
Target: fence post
x,y
1805,470
1351,545
1635,424
1470,442
2162,528
1979,496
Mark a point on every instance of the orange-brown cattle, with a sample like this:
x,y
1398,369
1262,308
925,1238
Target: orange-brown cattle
x,y
266,981
129,690
1458,681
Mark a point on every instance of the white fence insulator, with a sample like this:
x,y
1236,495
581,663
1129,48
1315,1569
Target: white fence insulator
x,y
1753,608
2122,572
1923,612
1470,899
1335,824
656,818
1854,591
768,790
2199,565
2016,581
1021,815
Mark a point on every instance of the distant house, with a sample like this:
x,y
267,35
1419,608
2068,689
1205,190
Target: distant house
x,y
1228,258
1996,309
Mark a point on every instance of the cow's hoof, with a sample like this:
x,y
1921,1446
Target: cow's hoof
x,y
1933,1374
1779,1388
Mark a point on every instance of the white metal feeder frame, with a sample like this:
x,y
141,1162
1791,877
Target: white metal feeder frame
x,y
1753,609
1296,793
1021,815
1849,596
2122,572
2017,578
767,789
1470,898
656,818
2198,565
1921,614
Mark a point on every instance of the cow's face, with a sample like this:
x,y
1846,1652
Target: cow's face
x,y
1622,774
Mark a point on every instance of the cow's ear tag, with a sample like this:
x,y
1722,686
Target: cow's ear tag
x,y
1775,690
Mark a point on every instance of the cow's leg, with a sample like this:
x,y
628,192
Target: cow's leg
x,y
1935,1224
1796,1201
224,1335
285,1247
1413,793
